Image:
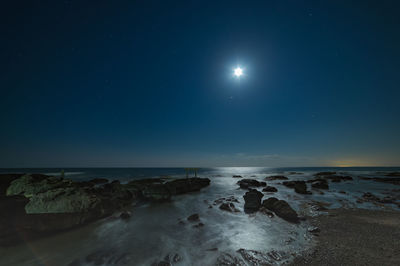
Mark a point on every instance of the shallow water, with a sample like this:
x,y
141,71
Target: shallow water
x,y
154,231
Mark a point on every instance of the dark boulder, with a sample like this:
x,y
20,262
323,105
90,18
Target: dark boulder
x,y
281,208
321,184
246,183
252,200
270,189
158,189
299,186
237,176
185,185
125,216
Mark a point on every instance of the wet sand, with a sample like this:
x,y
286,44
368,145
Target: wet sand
x,y
355,237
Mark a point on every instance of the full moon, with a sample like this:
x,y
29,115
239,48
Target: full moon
x,y
238,72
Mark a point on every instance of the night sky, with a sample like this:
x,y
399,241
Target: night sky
x,y
149,83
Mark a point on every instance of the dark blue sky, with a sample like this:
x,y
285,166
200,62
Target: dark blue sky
x,y
149,83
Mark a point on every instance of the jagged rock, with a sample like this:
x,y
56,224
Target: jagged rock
x,y
270,189
281,208
276,177
252,200
237,176
194,217
29,185
226,259
254,257
63,200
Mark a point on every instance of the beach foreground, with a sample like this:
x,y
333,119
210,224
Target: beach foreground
x,y
354,237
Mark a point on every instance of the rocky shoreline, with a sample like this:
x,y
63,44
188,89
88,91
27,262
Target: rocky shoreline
x,y
38,205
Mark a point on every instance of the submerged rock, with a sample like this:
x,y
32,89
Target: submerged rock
x,y
389,180
194,217
230,207
325,173
252,200
281,208
198,225
339,178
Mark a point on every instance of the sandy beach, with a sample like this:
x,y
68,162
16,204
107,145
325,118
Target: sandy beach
x,y
354,237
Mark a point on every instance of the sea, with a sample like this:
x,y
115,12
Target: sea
x,y
155,232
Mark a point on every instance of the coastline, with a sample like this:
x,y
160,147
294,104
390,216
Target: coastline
x,y
354,237
234,218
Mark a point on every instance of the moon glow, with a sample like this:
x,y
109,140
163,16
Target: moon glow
x,y
237,72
